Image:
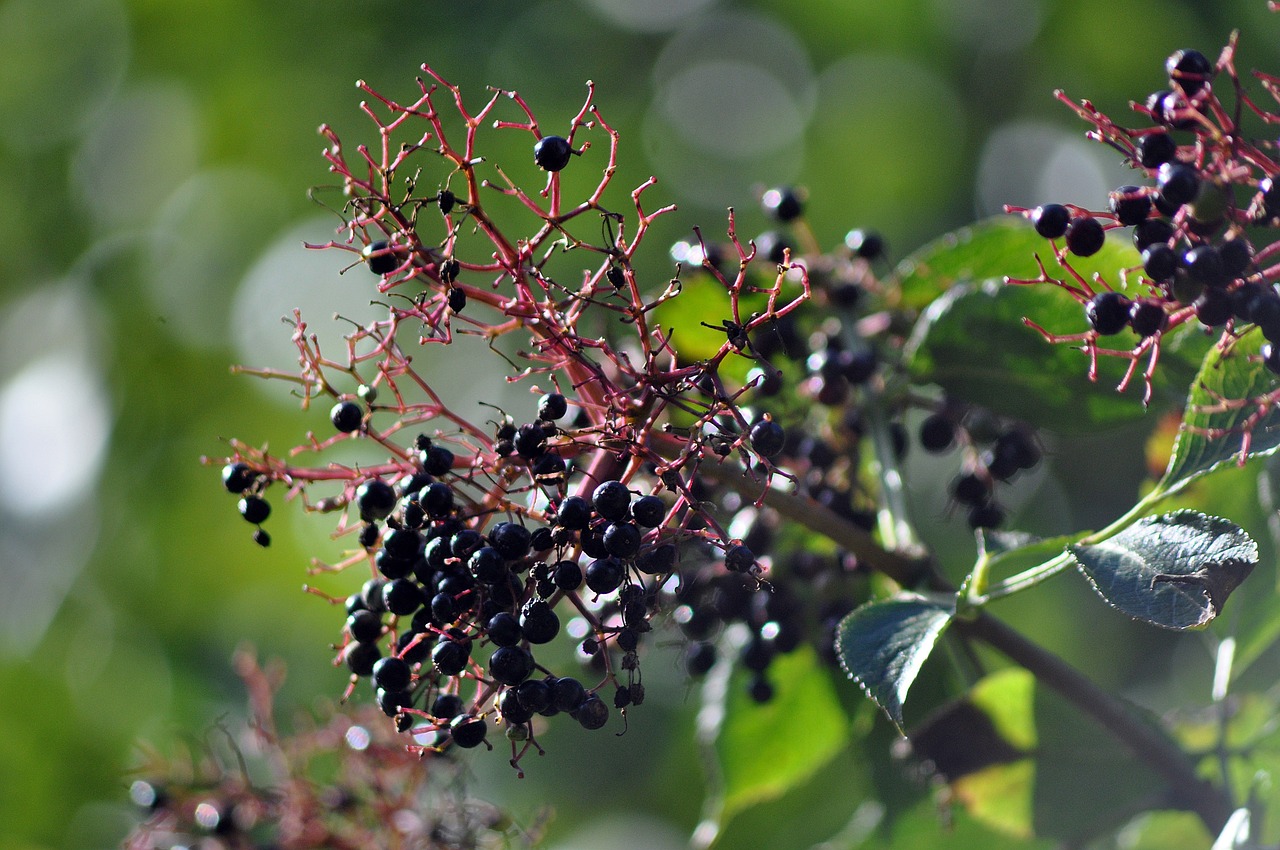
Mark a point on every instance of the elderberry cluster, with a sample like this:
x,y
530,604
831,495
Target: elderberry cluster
x,y
1202,218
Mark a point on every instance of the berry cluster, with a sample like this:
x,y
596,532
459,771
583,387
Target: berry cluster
x,y
482,542
1201,217
995,452
480,545
336,782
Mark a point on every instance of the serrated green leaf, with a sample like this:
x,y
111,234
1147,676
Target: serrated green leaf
x,y
757,763
1175,570
1213,431
882,646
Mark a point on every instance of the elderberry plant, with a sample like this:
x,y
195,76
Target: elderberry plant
x,y
718,451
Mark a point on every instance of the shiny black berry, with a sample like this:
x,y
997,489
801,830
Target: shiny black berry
x,y
866,244
1155,149
622,540
1271,356
510,665
1204,264
604,575
1051,220
238,477
782,204
360,657
1108,312
611,500
1236,254
446,707
450,657
381,261
552,406
1213,307
1130,205
648,511
552,153
567,575
376,499
346,416
511,540
1178,183
364,626
1085,236
511,708
768,437
392,674
402,596
574,513
539,622
567,694
468,731
1189,69
1153,231
255,509
1147,317
1159,261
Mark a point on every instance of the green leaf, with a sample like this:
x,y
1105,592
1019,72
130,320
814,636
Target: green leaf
x,y
882,646
1044,762
758,759
1174,571
991,250
971,339
1215,423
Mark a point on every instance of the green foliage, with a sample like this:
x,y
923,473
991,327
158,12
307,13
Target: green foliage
x,y
1175,570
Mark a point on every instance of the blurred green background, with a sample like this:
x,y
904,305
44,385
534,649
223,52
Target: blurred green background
x,y
155,159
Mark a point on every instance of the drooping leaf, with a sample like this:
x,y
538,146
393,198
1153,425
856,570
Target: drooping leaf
x,y
882,646
756,762
1216,422
1175,570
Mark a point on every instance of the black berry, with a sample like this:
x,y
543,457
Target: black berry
x,y
1178,183
1051,220
1155,149
238,477
346,416
611,500
376,499
1085,236
1108,312
782,204
255,509
392,674
468,731
380,259
510,665
539,622
552,153
768,437
1188,69
552,406
937,432
592,713
1130,205
1148,317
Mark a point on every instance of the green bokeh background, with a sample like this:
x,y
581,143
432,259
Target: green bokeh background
x,y
152,152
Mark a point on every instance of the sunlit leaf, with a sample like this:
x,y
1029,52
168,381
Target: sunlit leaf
x,y
882,646
1216,421
766,750
1175,570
